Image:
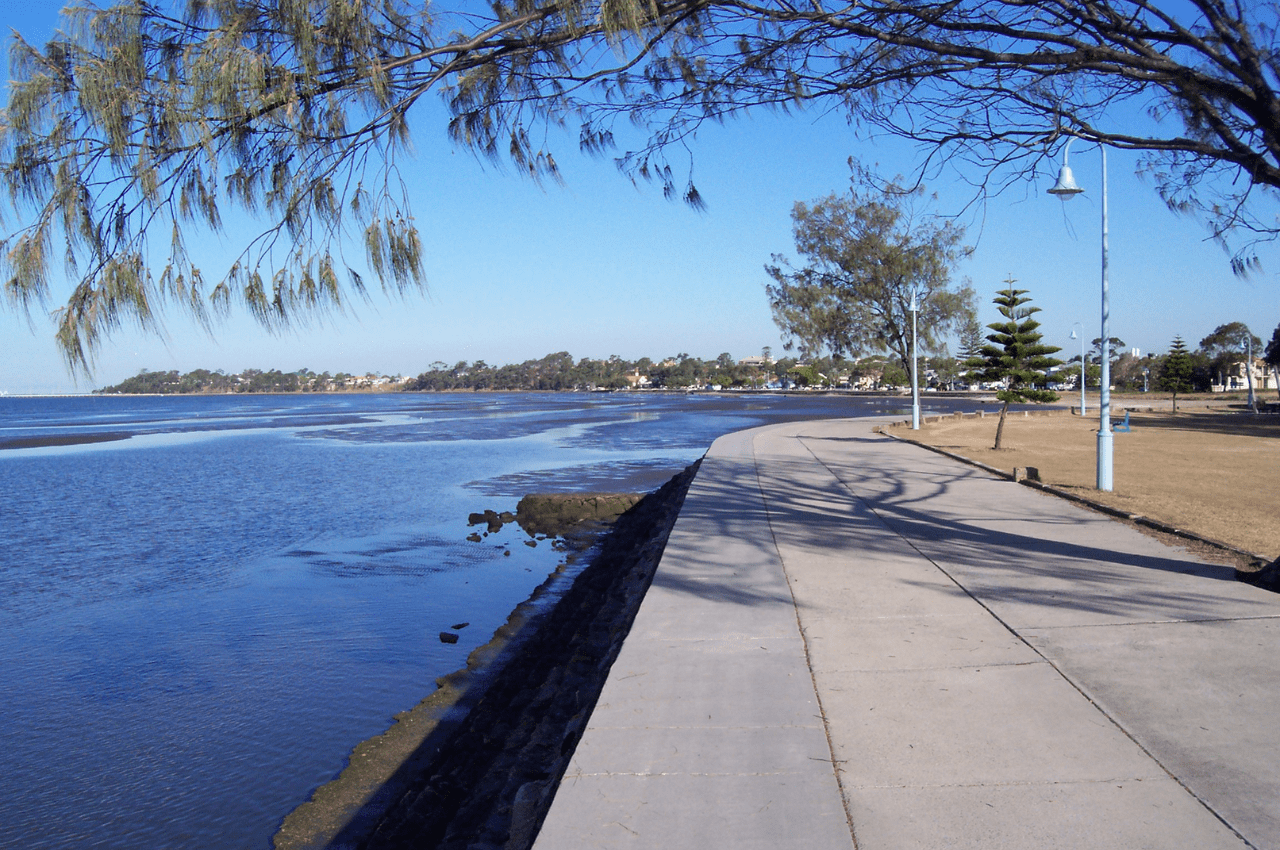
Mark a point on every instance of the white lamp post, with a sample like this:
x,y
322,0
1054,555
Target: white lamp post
x,y
1066,189
1248,368
1073,336
915,382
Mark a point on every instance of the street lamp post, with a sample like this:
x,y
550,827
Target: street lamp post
x,y
915,381
1066,189
1248,368
1073,336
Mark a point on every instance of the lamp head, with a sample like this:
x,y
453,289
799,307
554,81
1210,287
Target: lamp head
x,y
1066,187
1073,334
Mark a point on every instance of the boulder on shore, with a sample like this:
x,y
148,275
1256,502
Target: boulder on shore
x,y
555,514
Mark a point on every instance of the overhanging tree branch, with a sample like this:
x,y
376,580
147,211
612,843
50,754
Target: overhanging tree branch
x,y
297,110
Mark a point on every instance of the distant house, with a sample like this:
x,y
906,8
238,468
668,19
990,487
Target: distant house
x,y
636,380
1235,379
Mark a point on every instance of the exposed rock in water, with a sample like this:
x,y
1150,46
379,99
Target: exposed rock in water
x,y
558,514
492,519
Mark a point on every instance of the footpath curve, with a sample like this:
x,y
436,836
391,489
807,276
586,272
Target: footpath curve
x,y
854,642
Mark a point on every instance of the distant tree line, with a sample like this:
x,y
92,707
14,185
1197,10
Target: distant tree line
x,y
559,371
1217,355
248,381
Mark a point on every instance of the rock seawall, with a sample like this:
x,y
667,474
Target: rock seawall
x,y
501,733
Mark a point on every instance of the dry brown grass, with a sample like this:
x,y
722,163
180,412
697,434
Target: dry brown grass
x,y
1210,471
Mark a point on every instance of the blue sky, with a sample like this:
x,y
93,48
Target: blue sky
x,y
598,267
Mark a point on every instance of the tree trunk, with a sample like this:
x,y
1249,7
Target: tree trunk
x,y
1000,427
1175,404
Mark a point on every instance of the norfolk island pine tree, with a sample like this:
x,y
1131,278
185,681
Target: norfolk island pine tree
x,y
1176,376
1015,354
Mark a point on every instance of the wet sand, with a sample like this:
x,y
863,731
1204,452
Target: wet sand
x,y
62,440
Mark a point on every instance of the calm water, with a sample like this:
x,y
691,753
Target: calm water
x,y
200,617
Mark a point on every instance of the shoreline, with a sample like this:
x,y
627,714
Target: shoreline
x,y
484,753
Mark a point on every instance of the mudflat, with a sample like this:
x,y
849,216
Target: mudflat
x,y
1212,468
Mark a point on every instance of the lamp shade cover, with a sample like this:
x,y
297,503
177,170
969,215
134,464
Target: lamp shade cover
x,y
1066,186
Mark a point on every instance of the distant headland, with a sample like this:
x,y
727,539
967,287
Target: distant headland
x,y
555,372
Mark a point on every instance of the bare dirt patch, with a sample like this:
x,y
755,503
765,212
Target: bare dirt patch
x,y
1213,470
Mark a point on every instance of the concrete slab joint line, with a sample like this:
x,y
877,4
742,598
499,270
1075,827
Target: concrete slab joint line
x,y
826,728
1063,674
983,666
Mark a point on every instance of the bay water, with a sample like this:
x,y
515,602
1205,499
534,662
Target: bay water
x,y
207,601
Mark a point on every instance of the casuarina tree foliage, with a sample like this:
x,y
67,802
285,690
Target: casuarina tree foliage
x,y
1015,355
865,254
142,122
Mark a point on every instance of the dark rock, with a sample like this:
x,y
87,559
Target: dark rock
x,y
457,626
491,519
448,637
557,514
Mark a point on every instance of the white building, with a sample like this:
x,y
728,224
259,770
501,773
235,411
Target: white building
x,y
1235,379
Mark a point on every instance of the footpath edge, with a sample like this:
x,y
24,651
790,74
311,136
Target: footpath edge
x,y
1250,576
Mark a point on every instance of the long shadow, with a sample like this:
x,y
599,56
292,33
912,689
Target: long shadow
x,y
1266,426
720,591
1049,564
722,548
1065,571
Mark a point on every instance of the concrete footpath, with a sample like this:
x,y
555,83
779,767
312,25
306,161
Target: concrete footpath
x,y
854,642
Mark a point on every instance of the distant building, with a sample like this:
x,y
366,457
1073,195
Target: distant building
x,y
635,379
1235,379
